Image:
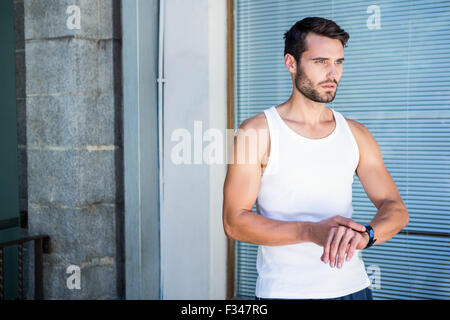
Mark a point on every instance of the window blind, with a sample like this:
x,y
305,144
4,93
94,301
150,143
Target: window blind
x,y
396,82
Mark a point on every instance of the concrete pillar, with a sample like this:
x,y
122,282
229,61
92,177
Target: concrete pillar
x,y
74,142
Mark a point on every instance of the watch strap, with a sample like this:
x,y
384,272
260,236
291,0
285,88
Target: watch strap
x,y
370,232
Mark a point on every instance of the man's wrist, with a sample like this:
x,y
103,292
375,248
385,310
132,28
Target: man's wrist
x,y
305,231
371,235
366,239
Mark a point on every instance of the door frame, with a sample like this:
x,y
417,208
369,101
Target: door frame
x,y
141,162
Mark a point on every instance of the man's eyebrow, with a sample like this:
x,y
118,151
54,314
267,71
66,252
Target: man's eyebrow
x,y
321,58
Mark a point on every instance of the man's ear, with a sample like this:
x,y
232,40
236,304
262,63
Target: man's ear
x,y
291,63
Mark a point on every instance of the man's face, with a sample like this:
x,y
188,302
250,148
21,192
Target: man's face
x,y
320,70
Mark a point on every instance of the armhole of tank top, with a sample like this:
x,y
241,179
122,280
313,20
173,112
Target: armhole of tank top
x,y
354,143
272,139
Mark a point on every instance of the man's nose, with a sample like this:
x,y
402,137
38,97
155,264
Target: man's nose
x,y
332,73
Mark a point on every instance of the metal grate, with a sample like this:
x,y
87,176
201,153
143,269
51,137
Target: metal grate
x,y
41,246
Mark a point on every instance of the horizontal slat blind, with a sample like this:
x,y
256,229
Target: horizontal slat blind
x,y
396,82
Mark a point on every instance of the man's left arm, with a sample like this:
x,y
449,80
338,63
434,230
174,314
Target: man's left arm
x,y
392,215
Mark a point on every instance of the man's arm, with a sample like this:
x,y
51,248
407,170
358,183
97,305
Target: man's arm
x,y
241,189
392,215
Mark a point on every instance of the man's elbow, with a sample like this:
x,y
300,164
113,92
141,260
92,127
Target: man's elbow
x,y
401,214
228,227
232,224
406,219
404,215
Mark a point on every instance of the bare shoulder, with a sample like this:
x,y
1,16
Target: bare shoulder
x,y
368,146
355,125
359,130
258,128
256,122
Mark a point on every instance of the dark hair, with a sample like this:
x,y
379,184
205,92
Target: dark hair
x,y
295,43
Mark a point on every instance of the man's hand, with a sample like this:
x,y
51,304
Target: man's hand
x,y
332,234
343,241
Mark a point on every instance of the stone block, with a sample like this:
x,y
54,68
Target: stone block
x,y
74,177
97,283
77,234
85,237
98,19
70,65
71,120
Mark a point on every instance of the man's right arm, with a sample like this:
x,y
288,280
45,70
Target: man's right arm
x,y
240,192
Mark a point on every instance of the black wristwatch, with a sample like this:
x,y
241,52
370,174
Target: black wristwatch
x,y
371,234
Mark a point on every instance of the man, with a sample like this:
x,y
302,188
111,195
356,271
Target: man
x,y
302,180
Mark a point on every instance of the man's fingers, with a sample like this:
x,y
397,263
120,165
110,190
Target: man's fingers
x,y
343,246
352,248
326,248
350,223
334,246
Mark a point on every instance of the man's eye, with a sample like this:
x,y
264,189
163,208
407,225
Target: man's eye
x,y
339,62
320,61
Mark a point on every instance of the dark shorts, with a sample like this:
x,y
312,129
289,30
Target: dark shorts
x,y
364,294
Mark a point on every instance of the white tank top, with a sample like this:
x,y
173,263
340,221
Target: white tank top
x,y
307,180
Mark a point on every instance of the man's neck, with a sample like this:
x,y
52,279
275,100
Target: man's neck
x,y
303,110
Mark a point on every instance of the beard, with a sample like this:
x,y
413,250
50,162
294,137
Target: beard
x,y
307,88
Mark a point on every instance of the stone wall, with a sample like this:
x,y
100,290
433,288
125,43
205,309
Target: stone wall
x,y
71,141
